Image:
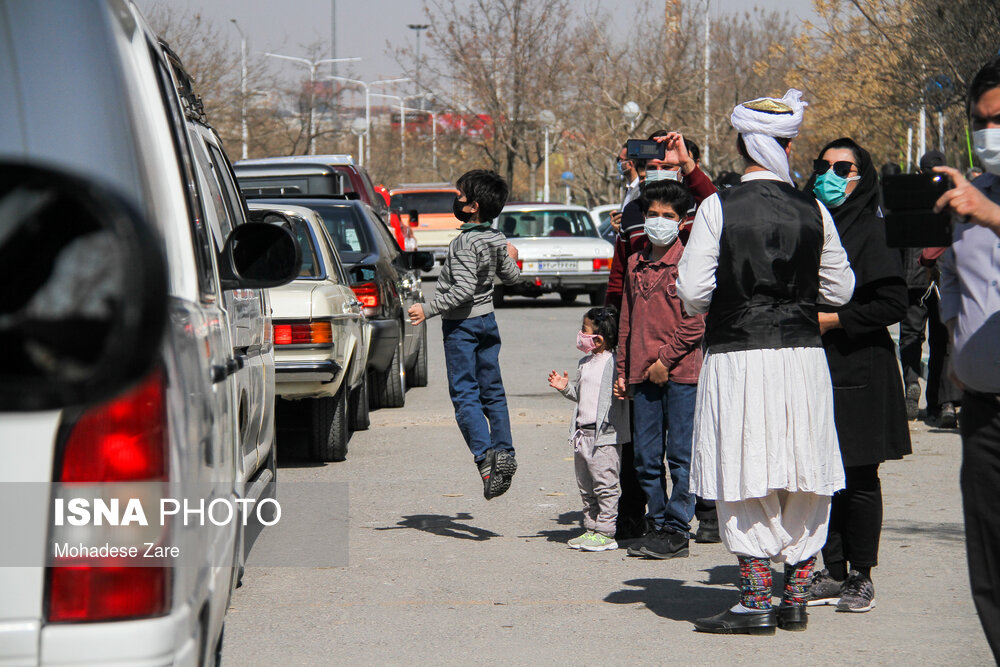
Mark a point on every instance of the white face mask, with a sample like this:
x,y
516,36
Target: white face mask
x,y
654,175
987,145
661,231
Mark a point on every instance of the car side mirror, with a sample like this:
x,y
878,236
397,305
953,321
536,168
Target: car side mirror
x,y
258,255
84,301
418,261
414,218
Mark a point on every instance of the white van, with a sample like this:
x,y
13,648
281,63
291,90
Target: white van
x,y
134,326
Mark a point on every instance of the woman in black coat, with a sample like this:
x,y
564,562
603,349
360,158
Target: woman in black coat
x,y
868,399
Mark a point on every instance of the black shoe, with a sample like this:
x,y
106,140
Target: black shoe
x,y
947,417
664,543
497,471
823,589
792,617
630,528
730,623
708,531
912,401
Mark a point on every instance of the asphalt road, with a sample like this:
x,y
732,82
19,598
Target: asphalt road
x,y
438,575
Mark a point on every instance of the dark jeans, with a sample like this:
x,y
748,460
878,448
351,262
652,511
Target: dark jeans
x,y
980,477
855,519
940,388
705,510
472,360
662,427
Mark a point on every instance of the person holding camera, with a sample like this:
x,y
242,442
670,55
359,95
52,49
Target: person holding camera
x,y
970,308
868,403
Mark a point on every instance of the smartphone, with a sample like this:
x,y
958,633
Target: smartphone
x,y
645,149
910,220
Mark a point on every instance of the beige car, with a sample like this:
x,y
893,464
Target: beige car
x,y
321,340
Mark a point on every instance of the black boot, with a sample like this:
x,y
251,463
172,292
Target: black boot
x,y
761,622
792,617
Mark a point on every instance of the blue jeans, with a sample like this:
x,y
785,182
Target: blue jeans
x,y
663,422
472,359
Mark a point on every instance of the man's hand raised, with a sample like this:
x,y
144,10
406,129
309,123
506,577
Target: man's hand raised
x,y
968,201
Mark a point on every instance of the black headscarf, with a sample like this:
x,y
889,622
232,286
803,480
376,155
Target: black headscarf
x,y
862,231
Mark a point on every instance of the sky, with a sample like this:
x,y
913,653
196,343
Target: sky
x,y
364,28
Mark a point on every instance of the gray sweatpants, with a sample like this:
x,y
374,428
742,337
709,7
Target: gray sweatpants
x,y
597,470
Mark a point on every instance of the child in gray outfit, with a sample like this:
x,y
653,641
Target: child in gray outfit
x,y
599,427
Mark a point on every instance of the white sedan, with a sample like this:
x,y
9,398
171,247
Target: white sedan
x,y
559,250
321,340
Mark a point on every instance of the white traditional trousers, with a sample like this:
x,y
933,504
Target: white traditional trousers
x,y
784,526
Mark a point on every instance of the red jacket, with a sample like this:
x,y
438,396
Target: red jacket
x,y
653,324
628,243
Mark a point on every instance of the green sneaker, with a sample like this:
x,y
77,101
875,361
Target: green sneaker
x,y
578,541
598,542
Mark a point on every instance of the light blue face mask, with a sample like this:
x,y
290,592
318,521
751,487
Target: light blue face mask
x,y
654,175
832,189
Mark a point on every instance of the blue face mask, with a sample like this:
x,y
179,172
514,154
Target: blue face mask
x,y
832,189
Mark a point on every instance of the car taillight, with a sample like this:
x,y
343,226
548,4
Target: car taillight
x,y
520,265
601,263
367,294
85,593
123,440
303,333
120,441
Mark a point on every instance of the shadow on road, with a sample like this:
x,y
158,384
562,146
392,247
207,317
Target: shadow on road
x,y
445,526
923,530
574,519
673,599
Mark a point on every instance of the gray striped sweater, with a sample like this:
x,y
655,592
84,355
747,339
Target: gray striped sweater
x,y
465,286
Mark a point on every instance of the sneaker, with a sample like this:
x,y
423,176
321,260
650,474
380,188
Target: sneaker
x,y
598,542
497,471
912,401
578,541
708,531
947,417
823,589
858,594
665,543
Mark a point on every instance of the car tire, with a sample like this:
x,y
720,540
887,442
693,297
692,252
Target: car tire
x,y
498,294
360,419
329,427
390,387
417,375
598,296
569,296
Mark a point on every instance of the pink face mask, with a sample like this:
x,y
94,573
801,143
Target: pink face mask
x,y
585,342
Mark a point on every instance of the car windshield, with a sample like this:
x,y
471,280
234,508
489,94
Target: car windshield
x,y
346,229
547,223
423,202
311,266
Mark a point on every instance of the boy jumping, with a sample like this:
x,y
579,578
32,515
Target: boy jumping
x,y
464,300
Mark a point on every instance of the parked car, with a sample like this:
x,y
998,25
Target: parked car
x,y
309,175
559,250
321,340
429,210
402,230
602,219
384,278
119,328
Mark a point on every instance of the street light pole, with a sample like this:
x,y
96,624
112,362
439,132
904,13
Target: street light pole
x,y
368,107
547,119
243,88
312,65
402,126
418,28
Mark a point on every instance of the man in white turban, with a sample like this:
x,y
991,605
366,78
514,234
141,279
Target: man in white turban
x,y
760,257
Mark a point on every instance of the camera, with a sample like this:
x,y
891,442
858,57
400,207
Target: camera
x,y
645,149
910,220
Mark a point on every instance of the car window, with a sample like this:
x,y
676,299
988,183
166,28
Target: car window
x,y
228,182
312,266
548,223
347,231
423,202
383,230
335,271
217,210
374,198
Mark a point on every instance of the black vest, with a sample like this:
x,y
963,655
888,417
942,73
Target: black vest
x,y
767,281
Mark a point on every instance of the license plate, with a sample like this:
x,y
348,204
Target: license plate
x,y
559,265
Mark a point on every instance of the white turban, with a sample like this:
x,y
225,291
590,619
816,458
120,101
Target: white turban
x,y
760,120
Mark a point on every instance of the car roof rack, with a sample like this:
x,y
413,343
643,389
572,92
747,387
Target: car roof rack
x,y
283,192
194,107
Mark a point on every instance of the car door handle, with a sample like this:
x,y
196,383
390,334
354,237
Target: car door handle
x,y
221,371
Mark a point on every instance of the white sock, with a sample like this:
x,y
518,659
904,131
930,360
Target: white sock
x,y
738,608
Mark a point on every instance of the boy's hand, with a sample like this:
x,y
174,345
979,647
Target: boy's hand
x,y
557,381
616,221
620,390
512,251
416,313
657,373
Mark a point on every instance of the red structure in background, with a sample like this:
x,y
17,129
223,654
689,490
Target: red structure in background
x,y
472,125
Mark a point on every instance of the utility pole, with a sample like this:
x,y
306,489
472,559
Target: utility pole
x,y
708,58
243,89
418,28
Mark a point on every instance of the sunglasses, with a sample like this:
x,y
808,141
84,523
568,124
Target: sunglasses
x,y
842,168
